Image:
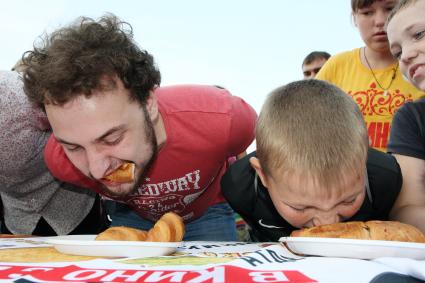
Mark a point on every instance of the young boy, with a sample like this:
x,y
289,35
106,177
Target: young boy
x,y
312,166
406,35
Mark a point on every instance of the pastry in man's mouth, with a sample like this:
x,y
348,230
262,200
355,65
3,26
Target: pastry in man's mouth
x,y
370,230
123,174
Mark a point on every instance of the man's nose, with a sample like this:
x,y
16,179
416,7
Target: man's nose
x,y
98,163
324,218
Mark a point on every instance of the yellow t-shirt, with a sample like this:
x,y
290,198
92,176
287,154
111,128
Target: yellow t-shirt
x,y
347,72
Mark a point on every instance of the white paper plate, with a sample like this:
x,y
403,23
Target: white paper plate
x,y
362,249
86,245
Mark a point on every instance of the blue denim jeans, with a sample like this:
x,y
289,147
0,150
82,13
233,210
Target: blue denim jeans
x,y
216,224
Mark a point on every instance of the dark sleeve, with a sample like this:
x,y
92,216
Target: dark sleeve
x,y
407,130
237,186
385,181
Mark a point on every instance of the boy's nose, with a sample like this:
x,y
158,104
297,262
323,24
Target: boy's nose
x,y
408,54
325,218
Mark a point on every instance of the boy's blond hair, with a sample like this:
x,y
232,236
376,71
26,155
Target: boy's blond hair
x,y
311,127
401,4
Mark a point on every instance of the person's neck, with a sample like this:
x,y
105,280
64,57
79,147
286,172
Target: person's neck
x,y
377,59
160,132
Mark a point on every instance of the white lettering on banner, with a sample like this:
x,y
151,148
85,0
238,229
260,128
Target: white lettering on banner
x,y
265,276
121,274
216,275
190,181
31,269
225,273
157,276
85,274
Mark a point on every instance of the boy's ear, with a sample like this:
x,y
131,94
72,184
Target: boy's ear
x,y
255,163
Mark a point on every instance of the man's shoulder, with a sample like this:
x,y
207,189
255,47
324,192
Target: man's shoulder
x,y
203,99
192,98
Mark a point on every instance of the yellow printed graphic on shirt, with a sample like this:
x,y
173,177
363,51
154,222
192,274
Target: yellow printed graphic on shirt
x,y
378,106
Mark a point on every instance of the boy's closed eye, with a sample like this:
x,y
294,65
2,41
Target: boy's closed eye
x,y
349,201
298,209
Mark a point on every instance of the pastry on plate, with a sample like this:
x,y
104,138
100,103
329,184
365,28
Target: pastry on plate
x,y
370,230
169,228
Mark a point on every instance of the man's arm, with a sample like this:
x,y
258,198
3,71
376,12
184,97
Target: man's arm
x,y
410,204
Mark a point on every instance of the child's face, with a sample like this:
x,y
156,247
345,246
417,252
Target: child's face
x,y
406,34
303,203
371,21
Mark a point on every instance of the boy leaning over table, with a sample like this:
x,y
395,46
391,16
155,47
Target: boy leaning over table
x,y
312,166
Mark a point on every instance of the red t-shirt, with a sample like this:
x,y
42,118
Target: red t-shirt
x,y
205,125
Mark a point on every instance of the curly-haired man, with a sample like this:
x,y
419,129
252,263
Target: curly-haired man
x,y
102,97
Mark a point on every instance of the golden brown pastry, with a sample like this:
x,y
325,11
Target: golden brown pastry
x,y
121,233
123,174
394,231
16,236
370,230
169,228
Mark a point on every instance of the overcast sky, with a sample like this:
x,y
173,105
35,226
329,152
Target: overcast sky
x,y
249,47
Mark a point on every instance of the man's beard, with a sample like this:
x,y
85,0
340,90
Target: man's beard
x,y
153,143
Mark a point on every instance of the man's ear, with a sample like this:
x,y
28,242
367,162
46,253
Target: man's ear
x,y
152,107
255,163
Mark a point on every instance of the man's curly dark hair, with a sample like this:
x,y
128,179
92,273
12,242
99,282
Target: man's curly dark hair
x,y
86,56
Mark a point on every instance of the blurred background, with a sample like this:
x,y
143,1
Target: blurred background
x,y
248,47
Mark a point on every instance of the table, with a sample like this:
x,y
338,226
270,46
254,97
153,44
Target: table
x,y
198,262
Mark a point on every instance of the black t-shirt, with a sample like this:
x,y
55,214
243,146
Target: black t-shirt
x,y
407,130
254,205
